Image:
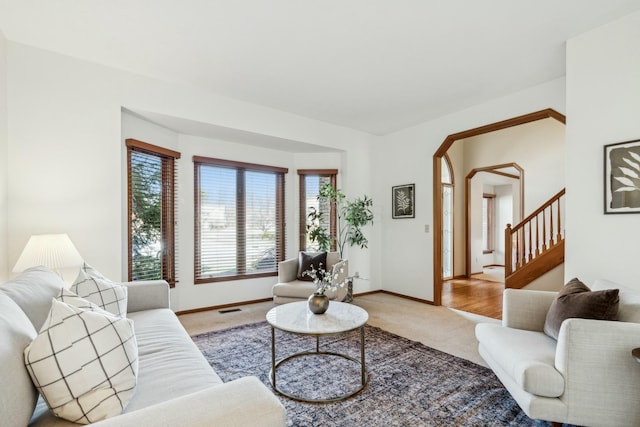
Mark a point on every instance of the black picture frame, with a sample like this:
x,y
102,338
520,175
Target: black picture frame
x,y
622,177
403,203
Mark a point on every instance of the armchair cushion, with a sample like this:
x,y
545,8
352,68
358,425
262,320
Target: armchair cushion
x,y
306,260
577,300
527,357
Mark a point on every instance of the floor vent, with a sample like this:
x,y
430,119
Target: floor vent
x,y
230,310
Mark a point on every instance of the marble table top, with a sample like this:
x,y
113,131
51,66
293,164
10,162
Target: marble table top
x,y
296,317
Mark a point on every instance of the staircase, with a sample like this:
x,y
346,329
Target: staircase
x,y
535,245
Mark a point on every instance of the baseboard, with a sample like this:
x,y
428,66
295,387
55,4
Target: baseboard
x,y
395,294
219,307
236,304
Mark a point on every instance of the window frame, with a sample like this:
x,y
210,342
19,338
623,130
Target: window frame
x,y
167,206
240,168
332,174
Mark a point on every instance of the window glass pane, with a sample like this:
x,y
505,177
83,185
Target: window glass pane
x,y
146,216
217,221
240,216
447,231
313,183
446,172
260,221
487,223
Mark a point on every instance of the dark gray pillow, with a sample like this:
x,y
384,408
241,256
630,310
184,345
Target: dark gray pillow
x,y
306,260
577,300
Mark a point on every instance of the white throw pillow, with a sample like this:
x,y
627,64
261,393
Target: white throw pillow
x,y
102,292
84,363
68,297
92,271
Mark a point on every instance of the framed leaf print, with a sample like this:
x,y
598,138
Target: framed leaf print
x,y
403,201
622,177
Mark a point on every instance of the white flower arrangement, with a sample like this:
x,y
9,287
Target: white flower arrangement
x,y
324,280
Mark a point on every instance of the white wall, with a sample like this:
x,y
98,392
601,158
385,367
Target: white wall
x,y
505,202
538,147
4,267
67,171
603,107
407,157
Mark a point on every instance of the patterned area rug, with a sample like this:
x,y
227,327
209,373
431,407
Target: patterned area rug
x,y
410,384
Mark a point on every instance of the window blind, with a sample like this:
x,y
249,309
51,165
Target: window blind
x,y
239,219
152,178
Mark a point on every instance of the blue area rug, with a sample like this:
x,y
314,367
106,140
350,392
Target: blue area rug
x,y
410,384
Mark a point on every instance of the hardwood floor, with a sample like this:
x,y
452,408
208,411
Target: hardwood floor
x,y
474,296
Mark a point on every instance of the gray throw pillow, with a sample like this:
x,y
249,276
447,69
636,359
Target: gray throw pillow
x,y
577,300
308,259
33,291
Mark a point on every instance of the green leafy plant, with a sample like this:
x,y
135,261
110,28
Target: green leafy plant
x,y
351,216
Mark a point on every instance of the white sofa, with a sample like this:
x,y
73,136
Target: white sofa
x,y
587,377
290,289
176,386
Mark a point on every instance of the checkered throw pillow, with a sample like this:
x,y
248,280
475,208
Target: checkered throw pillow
x,y
92,271
68,297
102,292
84,363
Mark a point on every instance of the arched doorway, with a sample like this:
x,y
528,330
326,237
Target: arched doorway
x,y
437,183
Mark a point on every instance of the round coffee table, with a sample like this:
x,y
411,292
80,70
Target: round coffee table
x,y
296,318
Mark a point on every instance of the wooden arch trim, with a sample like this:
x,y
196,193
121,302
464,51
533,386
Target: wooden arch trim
x,y
437,175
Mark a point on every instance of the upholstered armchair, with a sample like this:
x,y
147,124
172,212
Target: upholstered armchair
x,y
586,377
293,285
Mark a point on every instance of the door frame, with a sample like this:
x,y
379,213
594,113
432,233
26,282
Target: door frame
x,y
437,200
467,188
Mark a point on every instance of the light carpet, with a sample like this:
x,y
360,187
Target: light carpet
x,y
410,384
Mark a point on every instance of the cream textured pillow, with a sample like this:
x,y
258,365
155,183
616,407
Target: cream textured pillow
x,y
84,363
102,292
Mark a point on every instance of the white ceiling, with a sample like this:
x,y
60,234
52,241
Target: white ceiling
x,y
373,65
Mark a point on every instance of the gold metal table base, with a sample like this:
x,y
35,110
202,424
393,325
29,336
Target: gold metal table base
x,y
364,377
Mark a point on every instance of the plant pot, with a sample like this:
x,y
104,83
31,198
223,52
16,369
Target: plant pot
x,y
318,303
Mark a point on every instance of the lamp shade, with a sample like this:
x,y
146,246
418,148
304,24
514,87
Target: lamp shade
x,y
55,251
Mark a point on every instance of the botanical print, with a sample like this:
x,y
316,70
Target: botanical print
x,y
622,177
403,201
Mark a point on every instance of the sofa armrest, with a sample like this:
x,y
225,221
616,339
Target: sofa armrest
x,y
594,357
243,402
288,270
147,295
526,309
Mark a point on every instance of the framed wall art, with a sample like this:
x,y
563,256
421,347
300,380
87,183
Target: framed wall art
x,y
622,177
403,201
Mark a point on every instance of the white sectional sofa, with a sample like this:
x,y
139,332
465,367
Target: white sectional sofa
x,y
175,386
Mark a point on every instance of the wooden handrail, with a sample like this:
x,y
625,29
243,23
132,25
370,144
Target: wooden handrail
x,y
534,235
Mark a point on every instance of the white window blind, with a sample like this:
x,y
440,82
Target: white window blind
x,y
239,219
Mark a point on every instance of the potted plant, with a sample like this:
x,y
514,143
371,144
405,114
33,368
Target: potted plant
x,y
351,216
